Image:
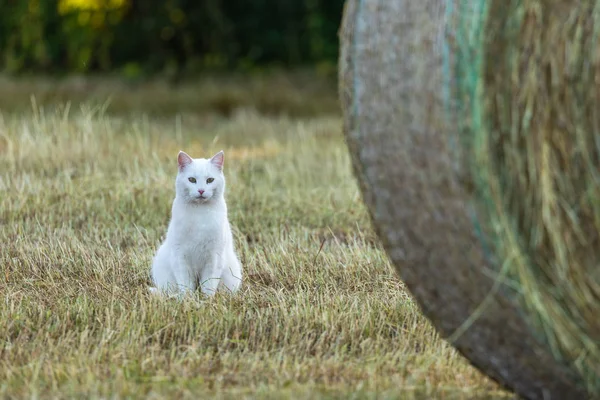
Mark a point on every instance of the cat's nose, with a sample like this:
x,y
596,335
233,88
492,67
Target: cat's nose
x,y
201,192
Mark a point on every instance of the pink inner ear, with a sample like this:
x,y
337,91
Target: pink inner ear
x,y
218,159
183,160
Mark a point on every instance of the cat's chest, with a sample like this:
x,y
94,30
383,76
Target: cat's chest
x,y
198,233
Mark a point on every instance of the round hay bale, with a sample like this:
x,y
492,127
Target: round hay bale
x,y
473,128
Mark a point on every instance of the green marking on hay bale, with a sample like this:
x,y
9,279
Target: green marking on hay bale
x,y
526,75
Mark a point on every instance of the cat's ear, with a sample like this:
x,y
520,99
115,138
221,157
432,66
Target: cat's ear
x,y
217,160
183,160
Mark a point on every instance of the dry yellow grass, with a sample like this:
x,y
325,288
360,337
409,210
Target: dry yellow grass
x,y
84,200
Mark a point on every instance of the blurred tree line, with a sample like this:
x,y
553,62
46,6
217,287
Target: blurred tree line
x,y
144,36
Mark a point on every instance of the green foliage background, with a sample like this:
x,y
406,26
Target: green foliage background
x,y
143,36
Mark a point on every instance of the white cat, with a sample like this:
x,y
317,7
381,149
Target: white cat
x,y
198,250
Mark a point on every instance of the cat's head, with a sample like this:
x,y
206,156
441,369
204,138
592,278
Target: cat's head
x,y
200,180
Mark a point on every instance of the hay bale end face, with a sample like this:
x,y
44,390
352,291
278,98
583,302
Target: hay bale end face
x,y
477,154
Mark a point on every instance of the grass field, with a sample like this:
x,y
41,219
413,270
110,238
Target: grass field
x,y
85,196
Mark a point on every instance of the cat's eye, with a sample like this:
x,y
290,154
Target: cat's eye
x,y
193,180
209,180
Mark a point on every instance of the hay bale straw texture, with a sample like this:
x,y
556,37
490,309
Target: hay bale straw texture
x,y
473,127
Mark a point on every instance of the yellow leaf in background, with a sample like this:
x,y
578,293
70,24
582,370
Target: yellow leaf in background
x,y
66,6
117,3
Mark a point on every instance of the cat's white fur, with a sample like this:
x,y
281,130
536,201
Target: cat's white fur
x,y
198,250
